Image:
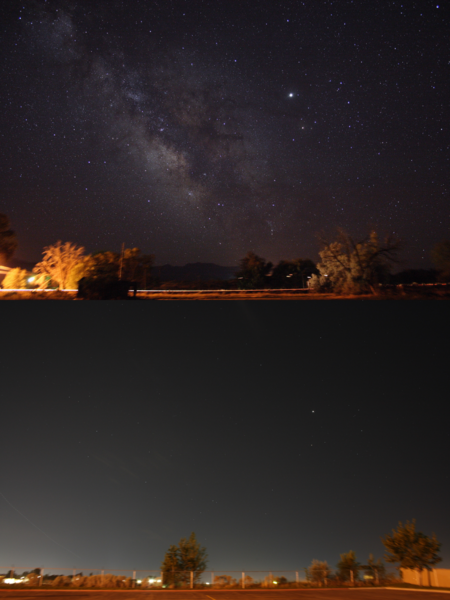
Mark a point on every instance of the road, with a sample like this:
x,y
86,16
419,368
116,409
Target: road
x,y
307,594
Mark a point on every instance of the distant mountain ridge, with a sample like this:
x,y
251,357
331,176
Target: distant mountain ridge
x,y
194,272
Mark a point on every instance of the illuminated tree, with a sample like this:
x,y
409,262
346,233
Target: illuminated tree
x,y
59,260
75,274
348,567
8,239
354,267
318,572
411,548
15,279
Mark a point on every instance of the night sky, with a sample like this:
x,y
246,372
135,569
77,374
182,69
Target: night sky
x,y
199,130
278,433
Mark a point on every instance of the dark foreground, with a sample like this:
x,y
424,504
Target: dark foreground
x,y
307,594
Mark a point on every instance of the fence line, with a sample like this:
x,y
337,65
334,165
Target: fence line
x,y
156,578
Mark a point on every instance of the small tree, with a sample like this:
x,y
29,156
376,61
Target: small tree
x,y
318,572
373,569
293,273
224,581
59,260
348,567
16,279
8,239
440,256
137,266
62,581
171,567
248,581
192,557
411,548
354,267
253,271
131,266
180,560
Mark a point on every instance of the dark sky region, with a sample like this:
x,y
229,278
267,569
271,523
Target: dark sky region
x,y
279,433
198,130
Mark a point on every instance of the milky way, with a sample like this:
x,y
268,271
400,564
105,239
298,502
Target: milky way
x,y
198,132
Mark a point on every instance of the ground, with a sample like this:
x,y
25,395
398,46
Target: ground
x,y
306,594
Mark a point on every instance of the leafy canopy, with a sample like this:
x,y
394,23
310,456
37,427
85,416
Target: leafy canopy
x,y
318,572
351,266
348,566
58,262
180,560
440,255
293,273
8,239
131,266
253,271
16,279
374,569
411,548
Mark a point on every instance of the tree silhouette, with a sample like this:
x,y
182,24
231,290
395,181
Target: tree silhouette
x,y
318,572
411,548
253,271
440,256
348,567
8,239
180,560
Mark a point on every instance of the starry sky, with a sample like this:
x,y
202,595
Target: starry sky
x,y
278,434
199,130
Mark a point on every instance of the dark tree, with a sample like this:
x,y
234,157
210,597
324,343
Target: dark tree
x,y
293,273
348,567
441,258
183,559
8,239
253,271
171,567
374,569
411,549
130,266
